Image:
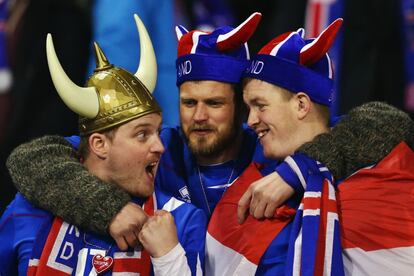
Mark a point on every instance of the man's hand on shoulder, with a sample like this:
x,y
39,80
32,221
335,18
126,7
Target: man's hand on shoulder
x,y
263,197
126,225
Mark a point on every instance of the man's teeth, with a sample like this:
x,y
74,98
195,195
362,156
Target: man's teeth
x,y
261,133
151,167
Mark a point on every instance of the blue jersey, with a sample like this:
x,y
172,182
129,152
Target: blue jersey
x,y
180,175
21,223
18,228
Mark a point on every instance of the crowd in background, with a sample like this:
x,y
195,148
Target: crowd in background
x,y
372,56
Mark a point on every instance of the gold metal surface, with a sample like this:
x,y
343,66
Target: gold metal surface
x,y
113,96
122,97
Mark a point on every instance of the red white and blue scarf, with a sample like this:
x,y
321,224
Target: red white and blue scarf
x,y
63,249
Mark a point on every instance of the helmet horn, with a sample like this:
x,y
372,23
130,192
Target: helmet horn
x,y
147,69
81,100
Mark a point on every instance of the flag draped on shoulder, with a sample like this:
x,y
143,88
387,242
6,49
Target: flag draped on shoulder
x,y
377,216
233,248
366,227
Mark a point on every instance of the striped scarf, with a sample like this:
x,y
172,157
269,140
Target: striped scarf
x,y
63,249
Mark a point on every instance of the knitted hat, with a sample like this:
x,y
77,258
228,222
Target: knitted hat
x,y
221,55
298,65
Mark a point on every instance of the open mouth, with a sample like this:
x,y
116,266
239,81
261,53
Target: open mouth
x,y
262,133
151,169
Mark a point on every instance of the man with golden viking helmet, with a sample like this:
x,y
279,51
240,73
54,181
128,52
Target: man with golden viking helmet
x,y
119,124
203,156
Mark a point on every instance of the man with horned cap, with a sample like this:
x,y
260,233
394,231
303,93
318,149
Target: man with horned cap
x,y
288,88
202,158
267,239
120,144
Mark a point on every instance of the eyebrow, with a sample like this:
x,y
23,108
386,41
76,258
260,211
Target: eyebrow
x,y
145,125
255,100
216,98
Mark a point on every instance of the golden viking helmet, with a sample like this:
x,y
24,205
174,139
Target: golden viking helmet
x,y
113,96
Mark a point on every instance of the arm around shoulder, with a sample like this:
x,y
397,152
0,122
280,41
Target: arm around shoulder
x,y
48,173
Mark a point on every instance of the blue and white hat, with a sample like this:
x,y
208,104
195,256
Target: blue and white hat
x,y
298,65
221,55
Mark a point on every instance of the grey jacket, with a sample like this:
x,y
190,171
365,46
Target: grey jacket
x,y
47,171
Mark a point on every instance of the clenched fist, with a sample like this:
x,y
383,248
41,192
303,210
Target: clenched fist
x,y
159,234
125,226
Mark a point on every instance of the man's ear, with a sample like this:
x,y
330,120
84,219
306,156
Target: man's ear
x,y
304,104
98,145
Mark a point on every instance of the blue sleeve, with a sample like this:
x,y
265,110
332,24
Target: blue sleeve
x,y
295,169
18,229
193,239
8,254
290,176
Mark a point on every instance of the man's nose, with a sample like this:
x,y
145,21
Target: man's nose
x,y
200,113
157,146
253,119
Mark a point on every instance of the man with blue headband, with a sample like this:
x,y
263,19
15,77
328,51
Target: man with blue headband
x,y
288,88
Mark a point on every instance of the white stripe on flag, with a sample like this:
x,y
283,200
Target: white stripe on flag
x,y
222,260
395,261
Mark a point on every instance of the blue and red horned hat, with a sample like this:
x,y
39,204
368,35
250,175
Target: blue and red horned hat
x,y
221,55
298,65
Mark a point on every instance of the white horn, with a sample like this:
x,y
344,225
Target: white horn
x,y
81,100
147,69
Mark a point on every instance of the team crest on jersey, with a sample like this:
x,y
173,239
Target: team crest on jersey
x,y
185,195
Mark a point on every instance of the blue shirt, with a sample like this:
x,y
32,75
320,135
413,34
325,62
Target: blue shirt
x,y
21,223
